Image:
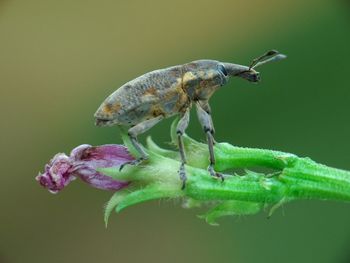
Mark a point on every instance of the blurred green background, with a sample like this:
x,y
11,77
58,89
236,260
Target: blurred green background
x,y
60,59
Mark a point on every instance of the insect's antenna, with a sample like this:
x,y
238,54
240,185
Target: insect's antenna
x,y
272,55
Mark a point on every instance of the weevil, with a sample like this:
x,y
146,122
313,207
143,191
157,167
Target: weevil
x,y
143,102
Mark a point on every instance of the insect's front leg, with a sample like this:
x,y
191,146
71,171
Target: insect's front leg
x,y
136,130
180,130
207,125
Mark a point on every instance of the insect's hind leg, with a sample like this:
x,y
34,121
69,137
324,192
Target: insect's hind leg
x,y
136,130
207,124
180,130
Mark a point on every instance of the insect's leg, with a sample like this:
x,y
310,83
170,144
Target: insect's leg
x,y
206,122
205,106
136,130
180,130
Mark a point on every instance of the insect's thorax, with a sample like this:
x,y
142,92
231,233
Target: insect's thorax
x,y
201,79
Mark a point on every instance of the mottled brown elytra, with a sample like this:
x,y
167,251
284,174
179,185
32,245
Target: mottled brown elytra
x,y
143,102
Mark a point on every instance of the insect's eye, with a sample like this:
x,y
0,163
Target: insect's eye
x,y
222,69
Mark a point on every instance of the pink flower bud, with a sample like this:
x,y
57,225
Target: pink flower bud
x,y
83,162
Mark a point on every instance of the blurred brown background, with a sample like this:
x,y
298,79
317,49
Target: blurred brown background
x,y
60,59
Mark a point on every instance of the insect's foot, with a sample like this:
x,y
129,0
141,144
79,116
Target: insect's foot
x,y
183,177
133,162
215,174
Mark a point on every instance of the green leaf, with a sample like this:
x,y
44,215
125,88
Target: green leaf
x,y
154,148
112,203
173,134
127,142
148,193
229,208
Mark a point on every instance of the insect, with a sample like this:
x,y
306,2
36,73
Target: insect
x,y
143,102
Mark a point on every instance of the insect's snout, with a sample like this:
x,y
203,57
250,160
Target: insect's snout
x,y
250,75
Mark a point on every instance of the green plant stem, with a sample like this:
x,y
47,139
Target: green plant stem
x,y
288,178
307,179
296,178
229,156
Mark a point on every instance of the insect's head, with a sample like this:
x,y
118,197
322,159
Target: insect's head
x,y
249,73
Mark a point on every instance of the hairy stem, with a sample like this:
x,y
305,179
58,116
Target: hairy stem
x,y
298,179
287,177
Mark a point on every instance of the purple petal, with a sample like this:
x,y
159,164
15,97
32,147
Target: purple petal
x,y
108,155
57,173
78,152
100,181
83,162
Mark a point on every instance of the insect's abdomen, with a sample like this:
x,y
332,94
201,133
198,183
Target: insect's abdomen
x,y
156,93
